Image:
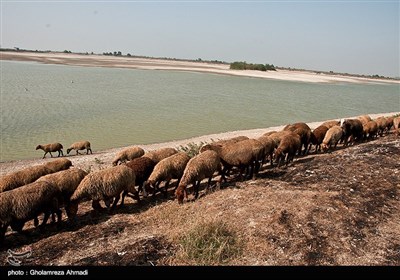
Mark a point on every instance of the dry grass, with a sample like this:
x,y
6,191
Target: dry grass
x,y
208,243
341,208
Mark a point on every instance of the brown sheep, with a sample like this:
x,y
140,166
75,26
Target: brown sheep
x,y
49,148
23,177
304,131
396,125
158,155
287,148
317,136
329,124
31,174
269,147
353,130
201,166
67,182
225,142
389,123
364,119
143,167
370,129
243,155
332,137
128,154
78,146
106,184
277,136
25,203
58,164
381,122
167,169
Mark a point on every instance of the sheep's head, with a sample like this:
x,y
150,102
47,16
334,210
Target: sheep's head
x,y
324,147
68,150
38,147
72,209
180,194
108,201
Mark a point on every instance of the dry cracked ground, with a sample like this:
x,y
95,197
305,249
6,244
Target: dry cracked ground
x,y
339,208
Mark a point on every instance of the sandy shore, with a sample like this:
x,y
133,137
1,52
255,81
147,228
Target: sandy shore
x,y
103,159
159,64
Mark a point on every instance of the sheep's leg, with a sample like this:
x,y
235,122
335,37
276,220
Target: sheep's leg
x,y
96,205
166,188
116,199
62,153
123,197
36,221
45,218
143,188
156,188
77,152
3,230
134,196
196,189
44,155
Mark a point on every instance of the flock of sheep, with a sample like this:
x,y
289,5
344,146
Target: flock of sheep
x,y
44,189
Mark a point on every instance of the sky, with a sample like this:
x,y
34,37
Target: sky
x,y
360,37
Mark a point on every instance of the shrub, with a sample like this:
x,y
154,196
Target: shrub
x,y
191,148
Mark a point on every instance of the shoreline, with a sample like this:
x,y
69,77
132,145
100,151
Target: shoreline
x,y
103,158
95,60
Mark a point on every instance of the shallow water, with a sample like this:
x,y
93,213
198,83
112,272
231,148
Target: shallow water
x,y
113,107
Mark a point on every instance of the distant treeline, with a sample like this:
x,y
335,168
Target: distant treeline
x,y
241,65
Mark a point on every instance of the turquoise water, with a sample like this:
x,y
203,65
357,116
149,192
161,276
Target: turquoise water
x,y
113,107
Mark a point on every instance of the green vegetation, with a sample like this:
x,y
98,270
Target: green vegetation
x,y
191,148
242,65
210,243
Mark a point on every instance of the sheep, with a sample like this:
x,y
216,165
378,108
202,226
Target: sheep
x,y
396,125
381,122
143,167
158,155
66,182
128,154
167,169
332,137
389,123
329,124
242,154
49,148
277,136
370,129
364,119
317,136
25,203
80,146
224,142
23,177
106,184
269,133
287,147
58,164
201,166
31,174
353,129
304,131
269,146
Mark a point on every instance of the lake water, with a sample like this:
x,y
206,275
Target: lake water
x,y
113,107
